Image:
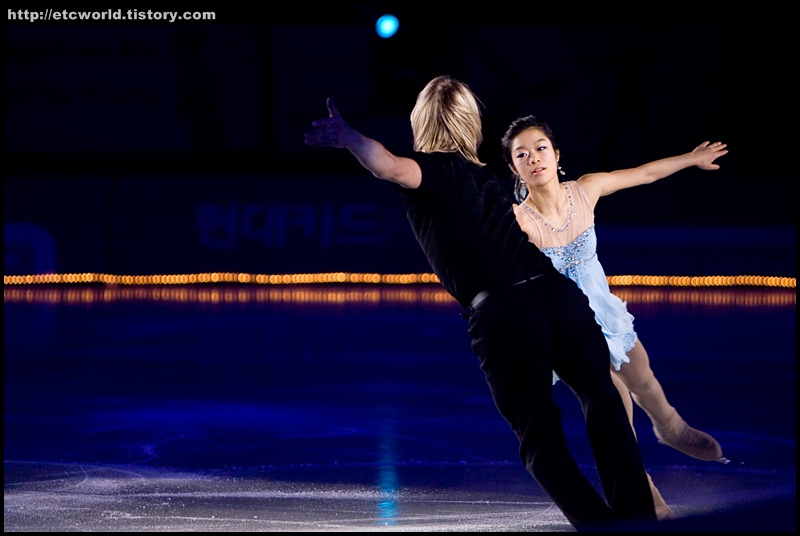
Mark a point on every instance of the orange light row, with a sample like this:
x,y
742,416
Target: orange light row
x,y
373,278
370,295
223,277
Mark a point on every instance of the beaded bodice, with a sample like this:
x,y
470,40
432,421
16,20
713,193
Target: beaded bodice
x,y
576,256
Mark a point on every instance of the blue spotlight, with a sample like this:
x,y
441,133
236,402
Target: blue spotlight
x,y
387,26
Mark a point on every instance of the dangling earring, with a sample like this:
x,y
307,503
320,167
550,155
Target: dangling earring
x,y
520,190
561,171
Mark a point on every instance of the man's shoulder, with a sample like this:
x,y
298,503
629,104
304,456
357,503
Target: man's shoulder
x,y
449,159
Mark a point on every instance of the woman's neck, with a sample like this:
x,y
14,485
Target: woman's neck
x,y
549,200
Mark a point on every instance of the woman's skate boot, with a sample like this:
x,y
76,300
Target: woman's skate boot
x,y
677,434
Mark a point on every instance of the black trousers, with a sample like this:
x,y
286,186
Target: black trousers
x,y
520,336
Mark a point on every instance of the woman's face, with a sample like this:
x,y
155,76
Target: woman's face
x,y
534,159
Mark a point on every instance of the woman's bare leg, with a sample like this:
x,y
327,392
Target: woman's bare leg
x,y
663,511
626,397
668,426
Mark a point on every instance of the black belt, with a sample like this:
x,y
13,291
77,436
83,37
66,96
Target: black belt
x,y
481,296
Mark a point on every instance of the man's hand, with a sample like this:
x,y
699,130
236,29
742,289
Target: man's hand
x,y
331,131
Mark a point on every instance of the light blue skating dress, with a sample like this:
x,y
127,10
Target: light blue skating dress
x,y
573,250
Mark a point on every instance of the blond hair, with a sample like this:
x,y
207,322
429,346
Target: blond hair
x,y
447,118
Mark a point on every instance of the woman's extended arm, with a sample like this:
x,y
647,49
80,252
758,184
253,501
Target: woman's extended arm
x,y
597,185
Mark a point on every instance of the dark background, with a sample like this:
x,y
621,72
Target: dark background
x,y
155,147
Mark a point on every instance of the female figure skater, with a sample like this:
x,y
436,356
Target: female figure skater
x,y
558,218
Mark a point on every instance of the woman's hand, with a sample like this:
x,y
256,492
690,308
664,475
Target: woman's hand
x,y
707,152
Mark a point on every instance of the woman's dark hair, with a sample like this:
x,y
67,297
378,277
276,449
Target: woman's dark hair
x,y
520,124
